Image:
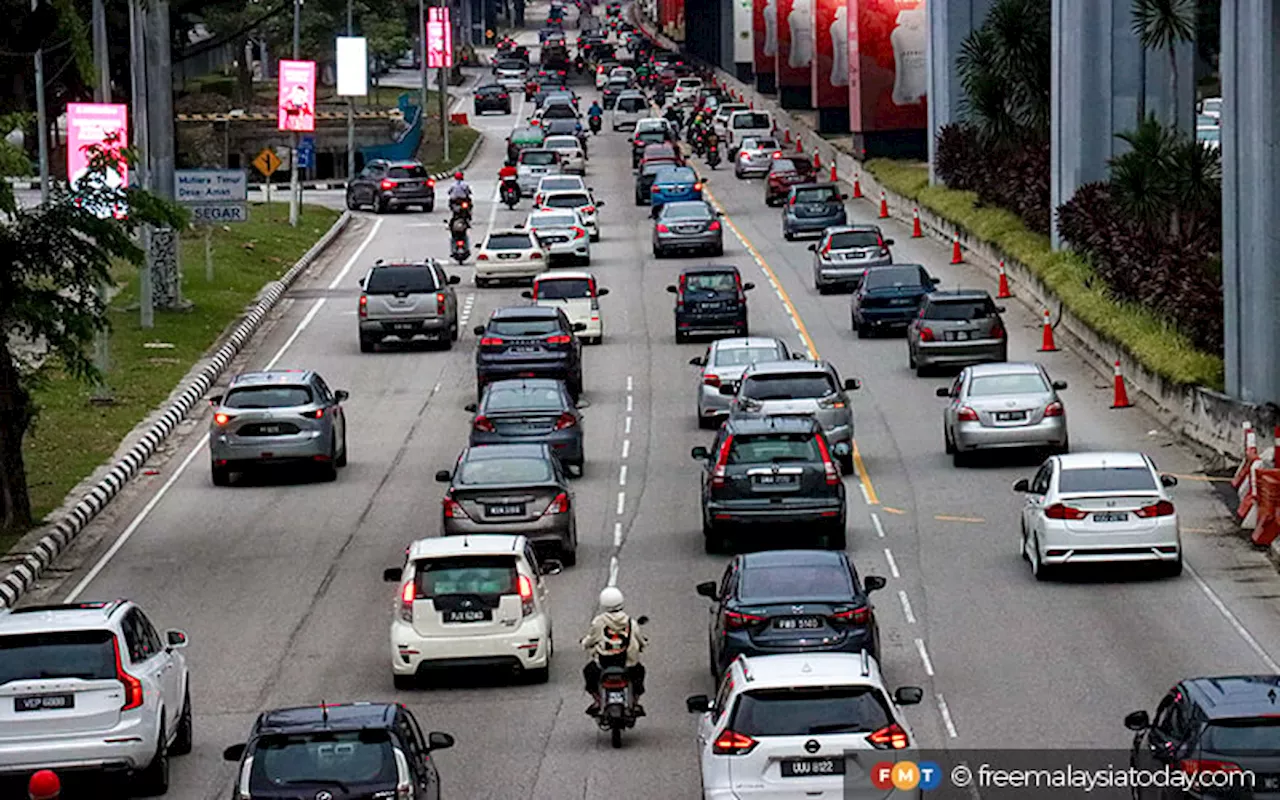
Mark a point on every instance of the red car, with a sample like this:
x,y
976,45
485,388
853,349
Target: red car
x,y
783,174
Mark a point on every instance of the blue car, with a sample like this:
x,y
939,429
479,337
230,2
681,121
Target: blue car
x,y
674,183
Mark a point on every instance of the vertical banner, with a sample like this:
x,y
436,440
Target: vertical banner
x,y
830,76
353,66
888,77
764,24
90,124
439,38
297,104
743,50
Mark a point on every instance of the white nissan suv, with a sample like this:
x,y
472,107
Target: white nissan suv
x,y
92,686
797,725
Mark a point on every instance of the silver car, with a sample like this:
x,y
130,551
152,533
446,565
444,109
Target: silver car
x,y
723,365
844,254
755,155
1002,406
530,410
563,232
534,164
405,301
799,388
956,329
688,226
274,417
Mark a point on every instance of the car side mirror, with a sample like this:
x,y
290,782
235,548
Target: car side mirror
x,y
842,449
600,203
393,574
444,476
233,753
439,741
1022,485
728,391
601,292
454,280
697,704
471,407
852,384
813,248
873,583
1137,721
697,361
1059,385
520,226
526,294
579,327
908,695
935,281
1168,481
999,309
888,243
671,289
642,620
707,589
175,638
550,567
216,400
943,391
478,330
746,287
700,453
341,395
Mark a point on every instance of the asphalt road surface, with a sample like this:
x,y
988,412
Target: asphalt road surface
x,y
279,583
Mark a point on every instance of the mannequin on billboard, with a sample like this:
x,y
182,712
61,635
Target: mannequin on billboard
x,y
801,21
909,40
840,47
771,28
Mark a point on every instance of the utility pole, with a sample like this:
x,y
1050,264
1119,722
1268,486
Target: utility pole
x,y
42,120
138,80
351,109
295,188
444,93
102,94
422,54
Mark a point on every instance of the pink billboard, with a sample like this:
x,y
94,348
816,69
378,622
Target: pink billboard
x,y
297,96
888,79
439,38
794,24
764,24
830,76
90,124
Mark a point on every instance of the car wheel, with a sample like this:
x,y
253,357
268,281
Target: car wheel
x,y
329,469
836,539
569,555
921,371
960,458
380,205
221,475
405,682
352,205
575,387
948,446
711,662
429,207
706,423
681,337
153,781
863,330
1173,569
341,460
185,737
658,252
911,357
788,235
1063,448
719,250
595,237
538,674
1038,567
846,464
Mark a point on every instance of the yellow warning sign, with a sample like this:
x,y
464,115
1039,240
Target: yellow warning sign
x,y
267,162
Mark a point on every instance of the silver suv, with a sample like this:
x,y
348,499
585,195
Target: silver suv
x,y
798,388
92,686
843,255
408,300
277,416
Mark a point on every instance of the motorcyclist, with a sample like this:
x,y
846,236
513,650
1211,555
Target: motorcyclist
x,y
613,641
676,117
595,110
460,190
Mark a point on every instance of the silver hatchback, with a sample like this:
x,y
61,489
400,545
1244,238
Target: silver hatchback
x,y
1003,406
844,254
956,329
723,365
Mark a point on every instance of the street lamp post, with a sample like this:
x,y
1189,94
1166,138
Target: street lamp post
x,y
295,188
351,107
42,117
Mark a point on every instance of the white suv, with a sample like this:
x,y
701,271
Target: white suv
x,y
92,686
471,601
799,725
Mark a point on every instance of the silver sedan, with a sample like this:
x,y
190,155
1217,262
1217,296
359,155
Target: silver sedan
x,y
1003,405
723,365
687,226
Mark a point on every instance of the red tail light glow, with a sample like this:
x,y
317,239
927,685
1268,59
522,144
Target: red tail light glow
x,y
1161,509
719,473
588,209
926,334
730,743
1054,409
578,233
736,621
565,420
537,255
711,380
482,257
132,686
364,307
560,505
491,341
828,466
1060,511
454,510
890,737
1194,766
525,587
440,302
561,338
483,423
221,419
997,331
714,226
856,616
967,414
317,414
662,228
387,184
431,181
697,187
408,593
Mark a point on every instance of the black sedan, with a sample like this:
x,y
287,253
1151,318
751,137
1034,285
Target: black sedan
x,y
529,342
492,97
385,184
530,410
889,297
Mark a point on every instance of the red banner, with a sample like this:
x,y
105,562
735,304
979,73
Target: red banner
x,y
888,79
795,41
830,77
765,29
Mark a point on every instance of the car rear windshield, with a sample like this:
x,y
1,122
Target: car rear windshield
x,y
958,310
545,221
685,211
324,758
887,277
564,289
390,280
652,136
515,469
788,386
744,356
1242,737
763,144
675,175
554,184
711,282
560,111
512,64
520,397
486,575
407,172
689,83
750,120
568,200
782,165
536,159
773,447
809,711
822,194
494,89
508,241
787,583
618,84
562,143
1018,383
523,327
631,104
1107,479
268,397
58,654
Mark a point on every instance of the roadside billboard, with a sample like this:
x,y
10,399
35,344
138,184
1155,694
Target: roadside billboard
x,y
439,38
297,100
795,42
90,124
764,24
353,66
888,78
830,75
742,25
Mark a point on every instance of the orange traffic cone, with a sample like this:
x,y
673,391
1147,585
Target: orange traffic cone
x,y
956,256
1047,345
834,177
857,185
1121,395
884,205
817,160
799,146
916,232
786,139
1004,283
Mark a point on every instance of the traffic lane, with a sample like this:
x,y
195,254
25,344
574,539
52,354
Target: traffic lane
x,y
901,447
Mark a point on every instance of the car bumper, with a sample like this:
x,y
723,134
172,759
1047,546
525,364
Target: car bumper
x,y
1161,542
573,247
408,198
1049,432
688,241
846,273
129,745
526,646
488,373
565,444
811,224
711,403
753,167
765,513
309,445
432,327
549,529
891,316
503,107
959,353
495,268
727,323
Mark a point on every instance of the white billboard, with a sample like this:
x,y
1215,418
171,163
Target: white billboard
x,y
353,66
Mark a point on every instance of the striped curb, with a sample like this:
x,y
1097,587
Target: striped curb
x,y
257,116
31,565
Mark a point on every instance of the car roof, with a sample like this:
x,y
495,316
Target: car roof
x,y
808,669
506,232
487,452
859,229
1233,696
709,269
525,312
737,342
342,716
793,558
1004,367
265,377
58,616
565,274
1101,460
796,366
944,296
776,423
703,204
681,168
483,544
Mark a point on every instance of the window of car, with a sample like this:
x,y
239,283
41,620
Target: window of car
x,y
896,277
749,119
817,194
562,143
519,397
960,310
490,89
540,326
511,64
806,711
778,584
567,200
564,289
689,83
559,111
537,221
508,241
773,447
631,105
618,84
511,469
273,396
676,175
1013,383
411,171
483,575
782,165
788,386
393,280
745,356
1106,479
1040,483
283,761
723,694
1256,736
846,240
556,183
710,282
685,211
538,158
86,654
648,137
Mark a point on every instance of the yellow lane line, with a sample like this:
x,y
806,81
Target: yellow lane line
x,y
892,510
872,499
950,518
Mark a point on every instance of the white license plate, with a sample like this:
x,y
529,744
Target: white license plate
x,y
958,336
468,615
1111,516
270,430
776,480
615,697
797,623
509,510
806,767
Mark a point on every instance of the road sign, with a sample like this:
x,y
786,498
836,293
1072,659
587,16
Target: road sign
x,y
194,186
267,162
220,213
306,152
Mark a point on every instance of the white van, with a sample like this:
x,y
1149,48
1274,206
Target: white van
x,y
686,90
630,109
576,294
746,123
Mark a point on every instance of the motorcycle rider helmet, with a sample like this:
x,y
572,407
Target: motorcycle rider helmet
x,y
611,598
457,176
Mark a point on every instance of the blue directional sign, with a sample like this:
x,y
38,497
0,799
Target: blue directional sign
x,y
307,152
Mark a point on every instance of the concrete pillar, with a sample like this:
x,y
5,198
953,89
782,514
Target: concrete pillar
x,y
726,54
950,21
1250,68
743,40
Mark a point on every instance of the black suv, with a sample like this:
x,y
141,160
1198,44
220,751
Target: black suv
x,y
385,184
711,300
791,601
529,342
492,97
889,297
775,473
363,749
643,139
1224,725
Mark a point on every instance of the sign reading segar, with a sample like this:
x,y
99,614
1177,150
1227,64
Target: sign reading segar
x,y
215,213
210,186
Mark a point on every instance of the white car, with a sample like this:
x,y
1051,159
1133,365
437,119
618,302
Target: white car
x,y
649,124
1089,508
92,686
558,183
562,232
686,90
580,201
510,74
794,725
533,164
509,255
622,73
742,124
632,106
471,599
720,119
576,294
572,159
602,73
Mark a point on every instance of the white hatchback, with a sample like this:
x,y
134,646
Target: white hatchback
x,y
471,601
686,90
558,183
562,232
580,201
575,293
509,255
572,159
1087,508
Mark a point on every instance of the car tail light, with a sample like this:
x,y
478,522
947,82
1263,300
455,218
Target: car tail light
x,y
502,96
662,228
718,473
440,303
387,184
711,380
697,187
855,616
1060,511
482,423
453,509
1054,409
364,307
431,181
776,154
317,414
221,419
132,686
826,249
589,210
407,594
537,255
482,257
560,338
525,587
714,226
491,341
565,420
997,331
736,621
828,466
831,402
967,414
793,201
744,155
578,233
1161,509
1194,766
560,505
926,334
890,737
730,743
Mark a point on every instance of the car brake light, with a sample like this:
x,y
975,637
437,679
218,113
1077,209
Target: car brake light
x,y
221,419
482,257
387,184
718,474
525,587
502,96
776,154
730,743
926,334
855,616
714,226
997,331
560,505
1161,509
491,341
1054,409
578,233
890,737
967,414
697,187
826,249
132,686
736,620
793,201
364,307
828,466
565,420
711,380
589,210
454,510
431,181
407,594
317,414
560,338
662,228
482,423
440,303
1060,511
537,255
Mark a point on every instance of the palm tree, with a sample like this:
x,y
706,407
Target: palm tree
x,y
1004,68
1164,24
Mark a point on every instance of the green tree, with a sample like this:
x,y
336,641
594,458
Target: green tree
x,y
1004,68
1163,25
1168,182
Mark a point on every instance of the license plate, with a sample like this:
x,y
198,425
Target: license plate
x,y
615,697
808,767
468,615
524,349
1010,416
510,510
689,229
776,480
957,336
902,301
797,623
1271,782
1111,516
508,255
555,239
270,430
44,702
404,326
712,306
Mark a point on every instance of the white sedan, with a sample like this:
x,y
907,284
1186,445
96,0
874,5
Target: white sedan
x,y
509,255
580,201
562,232
572,159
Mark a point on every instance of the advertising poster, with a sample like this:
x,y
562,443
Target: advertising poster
x,y
90,124
742,28
764,24
830,79
439,38
795,42
297,96
353,66
888,79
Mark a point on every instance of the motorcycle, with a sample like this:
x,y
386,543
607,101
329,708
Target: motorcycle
x,y
460,208
713,155
460,250
594,124
616,701
511,192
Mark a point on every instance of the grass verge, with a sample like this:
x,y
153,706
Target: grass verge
x,y
431,151
72,437
1150,338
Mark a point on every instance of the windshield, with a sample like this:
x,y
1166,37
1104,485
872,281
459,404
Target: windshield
x,y
802,712
516,396
511,65
567,200
893,277
788,386
1107,479
488,575
710,282
560,111
1020,383
782,165
791,584
389,280
268,397
959,310
563,143
744,356
523,327
564,289
818,194
515,469
773,447
323,758
90,655
678,175
631,104
537,159
553,184
651,137
407,172
750,120
685,211
508,241
552,221
1242,737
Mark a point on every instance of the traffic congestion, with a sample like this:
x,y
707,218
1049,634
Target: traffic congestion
x,y
669,473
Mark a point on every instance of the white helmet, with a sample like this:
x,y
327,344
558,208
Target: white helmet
x,y
611,598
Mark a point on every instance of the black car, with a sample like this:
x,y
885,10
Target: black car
x,y
1225,726
889,297
776,475
385,184
711,299
615,87
529,342
645,178
492,97
812,208
791,601
525,410
357,749
643,139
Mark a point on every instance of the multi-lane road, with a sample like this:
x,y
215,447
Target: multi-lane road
x,y
279,584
